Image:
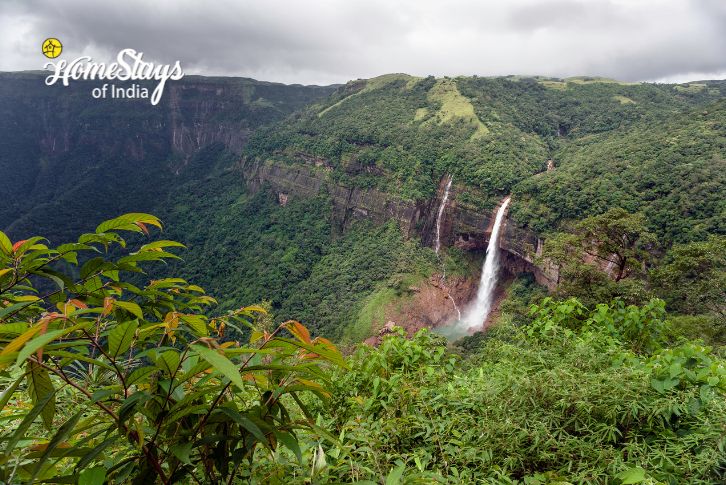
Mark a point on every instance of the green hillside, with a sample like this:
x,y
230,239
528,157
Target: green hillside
x,y
672,170
402,134
220,339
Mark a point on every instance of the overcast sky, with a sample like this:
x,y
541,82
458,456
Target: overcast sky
x,y
329,41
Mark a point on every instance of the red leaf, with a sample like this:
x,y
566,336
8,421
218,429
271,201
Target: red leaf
x,y
299,331
77,303
18,244
143,227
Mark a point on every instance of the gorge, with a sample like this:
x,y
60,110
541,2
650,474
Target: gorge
x,y
230,156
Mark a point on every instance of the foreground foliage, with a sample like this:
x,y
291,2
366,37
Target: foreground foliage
x,y
577,395
135,384
109,382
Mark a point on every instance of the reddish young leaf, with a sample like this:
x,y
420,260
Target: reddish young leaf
x,y
143,227
299,331
77,303
18,244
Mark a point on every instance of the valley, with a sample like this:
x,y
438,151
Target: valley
x,y
513,279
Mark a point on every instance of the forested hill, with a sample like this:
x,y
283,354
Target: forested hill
x,y
402,134
68,161
674,171
67,156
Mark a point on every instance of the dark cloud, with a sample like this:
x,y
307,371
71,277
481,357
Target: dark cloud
x,y
326,41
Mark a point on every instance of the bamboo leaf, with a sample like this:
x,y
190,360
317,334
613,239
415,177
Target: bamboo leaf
x,y
63,432
27,421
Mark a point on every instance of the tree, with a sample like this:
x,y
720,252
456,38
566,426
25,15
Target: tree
x,y
600,250
138,385
693,277
619,238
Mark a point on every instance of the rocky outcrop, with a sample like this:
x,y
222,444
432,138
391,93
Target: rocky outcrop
x,y
193,112
349,204
461,226
522,251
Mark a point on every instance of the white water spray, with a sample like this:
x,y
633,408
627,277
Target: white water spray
x,y
476,315
444,200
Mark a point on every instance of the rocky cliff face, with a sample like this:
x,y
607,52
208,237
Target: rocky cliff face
x,y
193,112
349,204
66,155
461,226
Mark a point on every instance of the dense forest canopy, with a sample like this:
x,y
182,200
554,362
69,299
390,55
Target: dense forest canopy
x,y
209,352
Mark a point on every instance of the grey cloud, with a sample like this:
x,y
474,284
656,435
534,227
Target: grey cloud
x,y
568,15
326,41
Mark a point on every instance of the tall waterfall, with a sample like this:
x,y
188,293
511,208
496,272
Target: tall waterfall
x,y
477,313
444,200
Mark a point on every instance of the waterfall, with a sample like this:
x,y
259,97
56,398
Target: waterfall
x,y
444,200
437,243
477,313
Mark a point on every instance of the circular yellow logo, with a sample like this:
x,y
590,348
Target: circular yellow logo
x,y
52,47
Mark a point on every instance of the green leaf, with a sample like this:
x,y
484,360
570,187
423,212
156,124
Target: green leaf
x,y
147,256
130,307
245,422
27,421
13,328
15,307
221,364
63,432
140,374
39,387
37,343
394,477
168,362
121,336
632,475
161,244
92,476
196,323
128,222
8,392
182,452
6,246
330,354
290,442
91,455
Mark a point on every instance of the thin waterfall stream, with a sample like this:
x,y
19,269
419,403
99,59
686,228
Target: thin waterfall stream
x,y
476,315
437,243
444,200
